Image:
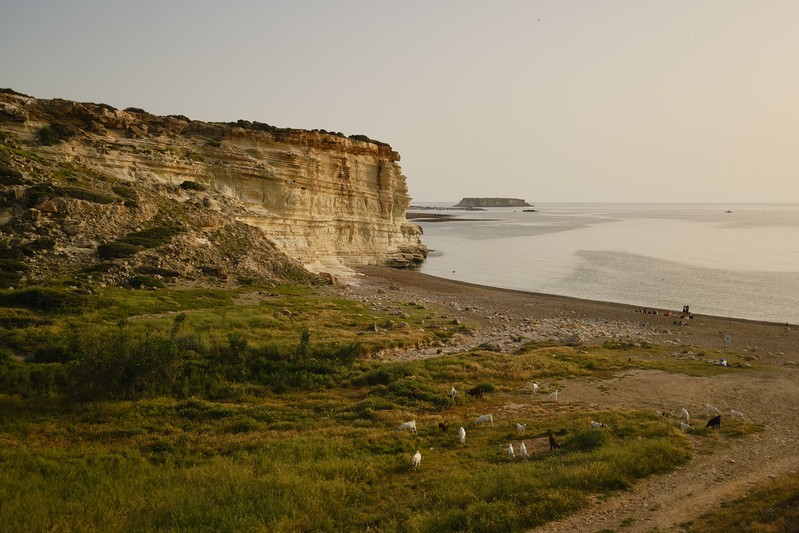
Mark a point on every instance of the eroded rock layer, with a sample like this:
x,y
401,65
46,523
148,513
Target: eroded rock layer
x,y
323,199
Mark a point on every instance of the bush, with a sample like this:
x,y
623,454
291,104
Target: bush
x,y
114,250
10,265
39,193
156,271
152,237
585,441
191,186
142,281
55,133
85,194
10,176
45,300
124,192
43,243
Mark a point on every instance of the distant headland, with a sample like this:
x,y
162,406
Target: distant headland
x,y
492,202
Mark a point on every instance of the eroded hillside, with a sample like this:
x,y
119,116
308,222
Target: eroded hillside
x,y
118,194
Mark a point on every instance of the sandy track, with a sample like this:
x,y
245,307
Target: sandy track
x,y
736,465
660,503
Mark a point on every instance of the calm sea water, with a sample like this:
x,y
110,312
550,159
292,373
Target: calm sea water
x,y
742,264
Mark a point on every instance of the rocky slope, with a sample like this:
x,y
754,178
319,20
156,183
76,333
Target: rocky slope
x,y
119,192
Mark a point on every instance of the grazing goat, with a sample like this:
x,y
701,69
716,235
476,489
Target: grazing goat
x,y
520,427
597,425
443,426
511,454
523,450
684,415
736,414
416,459
453,393
553,396
685,427
411,425
553,443
714,422
711,411
485,419
462,435
535,387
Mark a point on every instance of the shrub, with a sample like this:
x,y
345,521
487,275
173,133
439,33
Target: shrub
x,y
585,441
124,192
45,300
39,193
43,243
191,186
114,250
85,194
156,271
10,265
152,237
10,176
55,133
142,281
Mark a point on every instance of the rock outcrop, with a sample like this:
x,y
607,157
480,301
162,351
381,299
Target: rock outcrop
x,y
492,202
325,200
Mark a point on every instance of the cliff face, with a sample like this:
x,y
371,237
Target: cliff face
x,y
322,199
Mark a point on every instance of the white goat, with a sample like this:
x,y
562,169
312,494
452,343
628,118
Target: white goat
x,y
535,387
520,427
462,435
416,459
452,393
523,450
597,425
411,425
684,415
511,454
684,426
485,419
711,411
553,396
736,414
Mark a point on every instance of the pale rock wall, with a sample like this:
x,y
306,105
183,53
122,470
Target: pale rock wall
x,y
326,200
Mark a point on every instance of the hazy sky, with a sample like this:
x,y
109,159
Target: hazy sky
x,y
549,101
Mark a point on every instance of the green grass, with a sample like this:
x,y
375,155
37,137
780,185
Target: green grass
x,y
260,409
299,462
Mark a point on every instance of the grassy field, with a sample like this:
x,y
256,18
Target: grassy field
x,y
263,410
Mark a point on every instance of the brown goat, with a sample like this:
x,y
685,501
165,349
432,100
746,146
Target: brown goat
x,y
553,443
443,426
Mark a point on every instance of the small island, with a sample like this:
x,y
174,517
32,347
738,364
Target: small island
x,y
493,202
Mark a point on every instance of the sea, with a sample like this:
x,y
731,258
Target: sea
x,y
732,260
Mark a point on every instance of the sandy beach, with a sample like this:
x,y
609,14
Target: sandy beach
x,y
505,315
768,392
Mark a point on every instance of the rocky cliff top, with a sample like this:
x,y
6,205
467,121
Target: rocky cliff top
x,y
102,195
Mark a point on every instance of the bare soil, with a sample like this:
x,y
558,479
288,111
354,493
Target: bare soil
x,y
722,470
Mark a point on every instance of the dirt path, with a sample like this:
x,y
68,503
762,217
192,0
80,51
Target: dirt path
x,y
734,465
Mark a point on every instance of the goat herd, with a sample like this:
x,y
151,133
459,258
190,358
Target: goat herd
x,y
416,459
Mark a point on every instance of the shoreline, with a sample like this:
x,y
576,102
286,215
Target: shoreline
x,y
506,314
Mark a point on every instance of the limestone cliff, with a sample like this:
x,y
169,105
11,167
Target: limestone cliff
x,y
323,199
